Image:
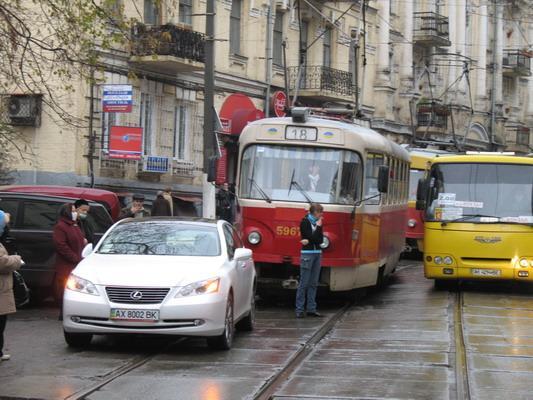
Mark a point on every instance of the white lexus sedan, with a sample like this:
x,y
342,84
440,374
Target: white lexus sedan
x,y
162,276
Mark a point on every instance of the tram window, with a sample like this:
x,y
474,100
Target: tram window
x,y
350,187
372,164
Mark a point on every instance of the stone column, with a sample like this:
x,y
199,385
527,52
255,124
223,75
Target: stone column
x,y
384,39
452,71
498,49
530,86
460,39
406,69
481,56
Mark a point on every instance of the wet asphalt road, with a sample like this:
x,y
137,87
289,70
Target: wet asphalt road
x,y
407,341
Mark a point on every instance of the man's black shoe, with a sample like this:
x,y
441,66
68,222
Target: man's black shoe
x,y
314,314
300,315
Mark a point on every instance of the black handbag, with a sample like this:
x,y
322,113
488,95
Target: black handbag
x,y
20,290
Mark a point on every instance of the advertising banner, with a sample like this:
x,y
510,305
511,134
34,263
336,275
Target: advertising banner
x,y
126,142
117,98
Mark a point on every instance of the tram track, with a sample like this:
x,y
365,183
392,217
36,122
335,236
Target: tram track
x,y
461,362
268,390
124,369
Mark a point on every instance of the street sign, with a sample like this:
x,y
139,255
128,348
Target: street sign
x,y
126,142
117,98
278,103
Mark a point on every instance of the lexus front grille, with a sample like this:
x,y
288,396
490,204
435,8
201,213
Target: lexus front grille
x,y
136,295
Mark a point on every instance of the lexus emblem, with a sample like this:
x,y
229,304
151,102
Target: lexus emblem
x,y
482,239
137,295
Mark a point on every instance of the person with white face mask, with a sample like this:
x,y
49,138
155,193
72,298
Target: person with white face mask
x,y
85,220
8,264
68,242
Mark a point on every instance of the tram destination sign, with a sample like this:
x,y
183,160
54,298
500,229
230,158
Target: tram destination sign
x,y
301,133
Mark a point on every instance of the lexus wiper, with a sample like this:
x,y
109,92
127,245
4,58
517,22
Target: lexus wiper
x,y
466,217
261,191
299,187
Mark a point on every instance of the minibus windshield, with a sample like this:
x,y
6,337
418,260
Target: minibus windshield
x,y
299,174
481,193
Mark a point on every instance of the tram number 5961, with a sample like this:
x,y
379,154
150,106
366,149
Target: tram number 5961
x,y
287,230
301,133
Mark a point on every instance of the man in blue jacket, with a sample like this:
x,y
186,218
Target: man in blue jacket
x,y
311,255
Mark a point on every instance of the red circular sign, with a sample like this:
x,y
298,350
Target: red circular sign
x,y
278,102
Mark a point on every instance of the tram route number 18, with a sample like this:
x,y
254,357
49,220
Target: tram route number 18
x,y
300,133
287,230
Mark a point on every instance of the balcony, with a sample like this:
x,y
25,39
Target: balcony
x,y
516,63
432,117
167,48
322,83
431,29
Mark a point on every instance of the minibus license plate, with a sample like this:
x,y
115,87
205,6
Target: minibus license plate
x,y
486,272
134,315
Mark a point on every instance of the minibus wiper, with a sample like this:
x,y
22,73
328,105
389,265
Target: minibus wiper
x,y
299,187
469,216
261,191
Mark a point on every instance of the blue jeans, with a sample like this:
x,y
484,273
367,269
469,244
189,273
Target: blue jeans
x,y
309,275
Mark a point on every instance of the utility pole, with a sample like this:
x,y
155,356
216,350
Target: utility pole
x,y
269,55
208,207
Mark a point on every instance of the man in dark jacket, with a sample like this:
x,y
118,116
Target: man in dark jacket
x,y
161,206
311,255
136,210
85,220
225,200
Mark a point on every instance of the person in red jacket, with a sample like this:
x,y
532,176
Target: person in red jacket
x,y
68,242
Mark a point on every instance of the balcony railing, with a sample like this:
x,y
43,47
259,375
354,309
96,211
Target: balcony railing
x,y
431,29
431,114
168,45
322,80
517,63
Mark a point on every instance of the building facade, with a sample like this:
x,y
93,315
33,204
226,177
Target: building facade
x,y
452,73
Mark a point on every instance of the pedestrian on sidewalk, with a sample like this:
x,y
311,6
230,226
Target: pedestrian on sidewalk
x,y
136,210
161,206
85,220
167,194
69,243
310,259
8,264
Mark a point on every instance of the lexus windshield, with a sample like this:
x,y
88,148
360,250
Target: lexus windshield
x,y
161,239
300,174
481,193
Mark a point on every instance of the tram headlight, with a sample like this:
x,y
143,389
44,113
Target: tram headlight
x,y
448,260
411,223
325,243
438,260
524,263
254,237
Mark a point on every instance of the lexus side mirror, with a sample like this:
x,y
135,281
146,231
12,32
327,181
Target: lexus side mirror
x,y
88,249
421,194
383,179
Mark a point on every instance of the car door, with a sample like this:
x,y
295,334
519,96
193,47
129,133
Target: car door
x,y
238,283
248,268
33,236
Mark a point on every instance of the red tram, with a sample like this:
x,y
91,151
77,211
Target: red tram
x,y
360,178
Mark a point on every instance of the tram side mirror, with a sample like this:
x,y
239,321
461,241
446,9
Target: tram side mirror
x,y
383,179
421,193
212,170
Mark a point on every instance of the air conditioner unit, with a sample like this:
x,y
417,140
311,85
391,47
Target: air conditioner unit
x,y
24,109
282,4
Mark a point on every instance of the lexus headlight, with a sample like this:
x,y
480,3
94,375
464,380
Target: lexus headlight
x,y
325,242
81,285
201,287
254,237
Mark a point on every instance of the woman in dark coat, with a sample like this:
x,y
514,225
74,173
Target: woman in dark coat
x,y
68,242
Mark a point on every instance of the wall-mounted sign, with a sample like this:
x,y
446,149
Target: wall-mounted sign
x,y
278,102
117,98
126,142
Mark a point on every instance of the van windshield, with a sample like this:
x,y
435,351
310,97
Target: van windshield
x,y
481,193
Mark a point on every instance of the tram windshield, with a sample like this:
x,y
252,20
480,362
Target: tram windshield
x,y
481,193
300,174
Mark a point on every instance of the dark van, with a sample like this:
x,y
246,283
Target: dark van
x,y
33,217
